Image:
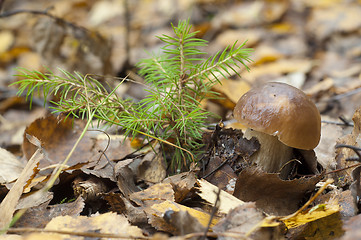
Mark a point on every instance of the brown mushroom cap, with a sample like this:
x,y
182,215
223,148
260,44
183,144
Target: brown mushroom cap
x,y
281,110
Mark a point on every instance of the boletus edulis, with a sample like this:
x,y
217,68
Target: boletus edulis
x,y
281,117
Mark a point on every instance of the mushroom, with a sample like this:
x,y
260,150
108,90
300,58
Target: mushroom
x,y
281,117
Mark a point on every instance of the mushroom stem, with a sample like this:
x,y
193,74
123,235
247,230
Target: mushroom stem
x,y
272,155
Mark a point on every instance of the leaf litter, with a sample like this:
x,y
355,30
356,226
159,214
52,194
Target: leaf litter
x,y
318,53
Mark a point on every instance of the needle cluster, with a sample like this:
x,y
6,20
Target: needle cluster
x,y
177,81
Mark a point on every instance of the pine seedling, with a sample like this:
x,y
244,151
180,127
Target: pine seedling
x,y
178,79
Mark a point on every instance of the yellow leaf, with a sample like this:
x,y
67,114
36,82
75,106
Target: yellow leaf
x,y
202,217
318,212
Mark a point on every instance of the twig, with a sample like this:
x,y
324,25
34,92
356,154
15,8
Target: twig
x,y
214,211
342,169
216,169
347,124
74,233
343,95
328,182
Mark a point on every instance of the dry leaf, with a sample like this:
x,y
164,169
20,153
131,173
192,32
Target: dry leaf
x,y
352,228
232,89
278,68
317,212
326,21
121,205
271,194
244,220
208,192
154,194
103,223
183,222
325,151
38,217
48,36
157,211
353,139
10,167
125,177
7,206
152,168
182,184
58,137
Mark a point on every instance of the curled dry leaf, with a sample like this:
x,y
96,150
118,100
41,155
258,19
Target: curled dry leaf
x,y
125,177
182,184
89,189
272,194
121,205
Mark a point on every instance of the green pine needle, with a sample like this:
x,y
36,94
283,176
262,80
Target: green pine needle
x,y
178,80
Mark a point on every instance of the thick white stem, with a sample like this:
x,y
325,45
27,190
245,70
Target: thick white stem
x,y
272,155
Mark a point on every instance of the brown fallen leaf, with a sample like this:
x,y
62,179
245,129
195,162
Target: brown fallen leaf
x,y
153,195
152,168
108,223
272,194
182,184
277,68
245,220
122,205
342,154
57,137
324,22
10,167
352,228
7,206
40,216
325,150
125,177
183,222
